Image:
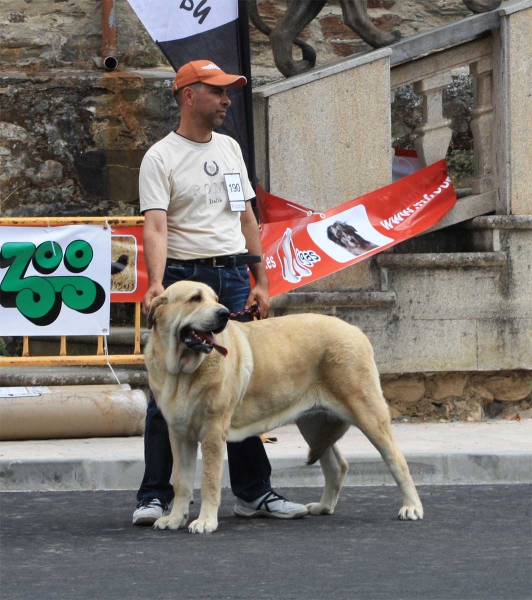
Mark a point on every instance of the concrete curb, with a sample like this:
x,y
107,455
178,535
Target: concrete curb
x,y
437,454
290,471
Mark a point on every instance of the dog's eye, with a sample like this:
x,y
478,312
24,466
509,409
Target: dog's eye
x,y
196,298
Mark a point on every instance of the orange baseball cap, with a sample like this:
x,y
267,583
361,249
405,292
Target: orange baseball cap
x,y
207,72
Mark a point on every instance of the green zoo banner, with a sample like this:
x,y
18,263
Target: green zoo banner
x,y
55,281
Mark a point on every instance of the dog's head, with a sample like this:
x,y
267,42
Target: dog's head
x,y
347,236
185,320
342,234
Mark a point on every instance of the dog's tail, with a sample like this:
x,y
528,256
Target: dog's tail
x,y
321,430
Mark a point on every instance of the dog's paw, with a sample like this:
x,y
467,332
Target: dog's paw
x,y
411,513
317,508
203,526
170,522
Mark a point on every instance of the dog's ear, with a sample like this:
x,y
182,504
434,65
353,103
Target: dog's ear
x,y
155,304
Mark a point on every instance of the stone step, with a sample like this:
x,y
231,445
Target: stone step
x,y
506,222
433,288
467,208
343,298
441,260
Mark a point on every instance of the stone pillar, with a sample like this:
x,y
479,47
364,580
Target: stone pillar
x,y
324,137
513,136
434,135
482,125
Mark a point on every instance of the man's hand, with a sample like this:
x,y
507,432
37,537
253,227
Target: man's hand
x,y
259,293
153,291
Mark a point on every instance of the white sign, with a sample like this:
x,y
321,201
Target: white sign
x,y
55,281
233,183
19,392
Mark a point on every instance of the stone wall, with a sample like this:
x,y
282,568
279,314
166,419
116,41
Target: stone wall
x,y
72,136
44,34
331,39
459,396
48,34
71,142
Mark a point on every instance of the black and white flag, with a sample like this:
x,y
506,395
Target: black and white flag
x,y
215,30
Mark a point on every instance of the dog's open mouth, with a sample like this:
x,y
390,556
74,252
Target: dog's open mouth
x,y
202,341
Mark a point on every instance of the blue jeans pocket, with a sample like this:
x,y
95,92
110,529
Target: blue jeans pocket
x,y
242,273
176,273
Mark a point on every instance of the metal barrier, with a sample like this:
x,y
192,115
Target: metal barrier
x,y
63,359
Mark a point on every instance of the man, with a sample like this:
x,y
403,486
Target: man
x,y
194,229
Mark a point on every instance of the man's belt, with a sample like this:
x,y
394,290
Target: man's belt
x,y
234,260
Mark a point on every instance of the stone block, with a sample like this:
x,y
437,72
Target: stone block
x,y
51,171
420,346
520,108
321,134
477,388
373,322
106,136
122,183
441,387
404,390
360,277
517,289
507,387
447,293
466,410
504,344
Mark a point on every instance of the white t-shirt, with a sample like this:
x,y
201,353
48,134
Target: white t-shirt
x,y
186,179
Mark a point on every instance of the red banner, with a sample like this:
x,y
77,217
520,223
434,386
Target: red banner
x,y
301,247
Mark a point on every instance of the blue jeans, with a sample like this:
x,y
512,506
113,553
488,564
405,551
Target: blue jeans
x,y
249,467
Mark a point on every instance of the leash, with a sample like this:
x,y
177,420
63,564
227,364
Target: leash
x,y
253,310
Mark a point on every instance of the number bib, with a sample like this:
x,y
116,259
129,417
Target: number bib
x,y
233,183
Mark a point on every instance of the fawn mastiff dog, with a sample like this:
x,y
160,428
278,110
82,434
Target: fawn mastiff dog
x,y
217,380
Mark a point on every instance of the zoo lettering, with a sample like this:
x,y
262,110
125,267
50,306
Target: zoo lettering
x,y
40,299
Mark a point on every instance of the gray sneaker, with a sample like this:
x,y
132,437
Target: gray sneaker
x,y
148,511
270,505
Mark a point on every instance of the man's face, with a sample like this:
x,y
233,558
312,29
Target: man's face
x,y
210,104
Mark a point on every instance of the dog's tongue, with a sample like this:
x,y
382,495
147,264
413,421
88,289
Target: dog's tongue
x,y
221,349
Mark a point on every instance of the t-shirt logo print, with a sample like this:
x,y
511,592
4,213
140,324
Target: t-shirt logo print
x,y
211,171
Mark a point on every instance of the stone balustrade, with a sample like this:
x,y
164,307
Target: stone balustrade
x,y
321,162
434,135
495,49
430,75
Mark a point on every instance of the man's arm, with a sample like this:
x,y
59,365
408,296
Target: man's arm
x,y
250,229
155,240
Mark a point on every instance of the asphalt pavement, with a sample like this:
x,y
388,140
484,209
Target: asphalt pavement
x,y
474,544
